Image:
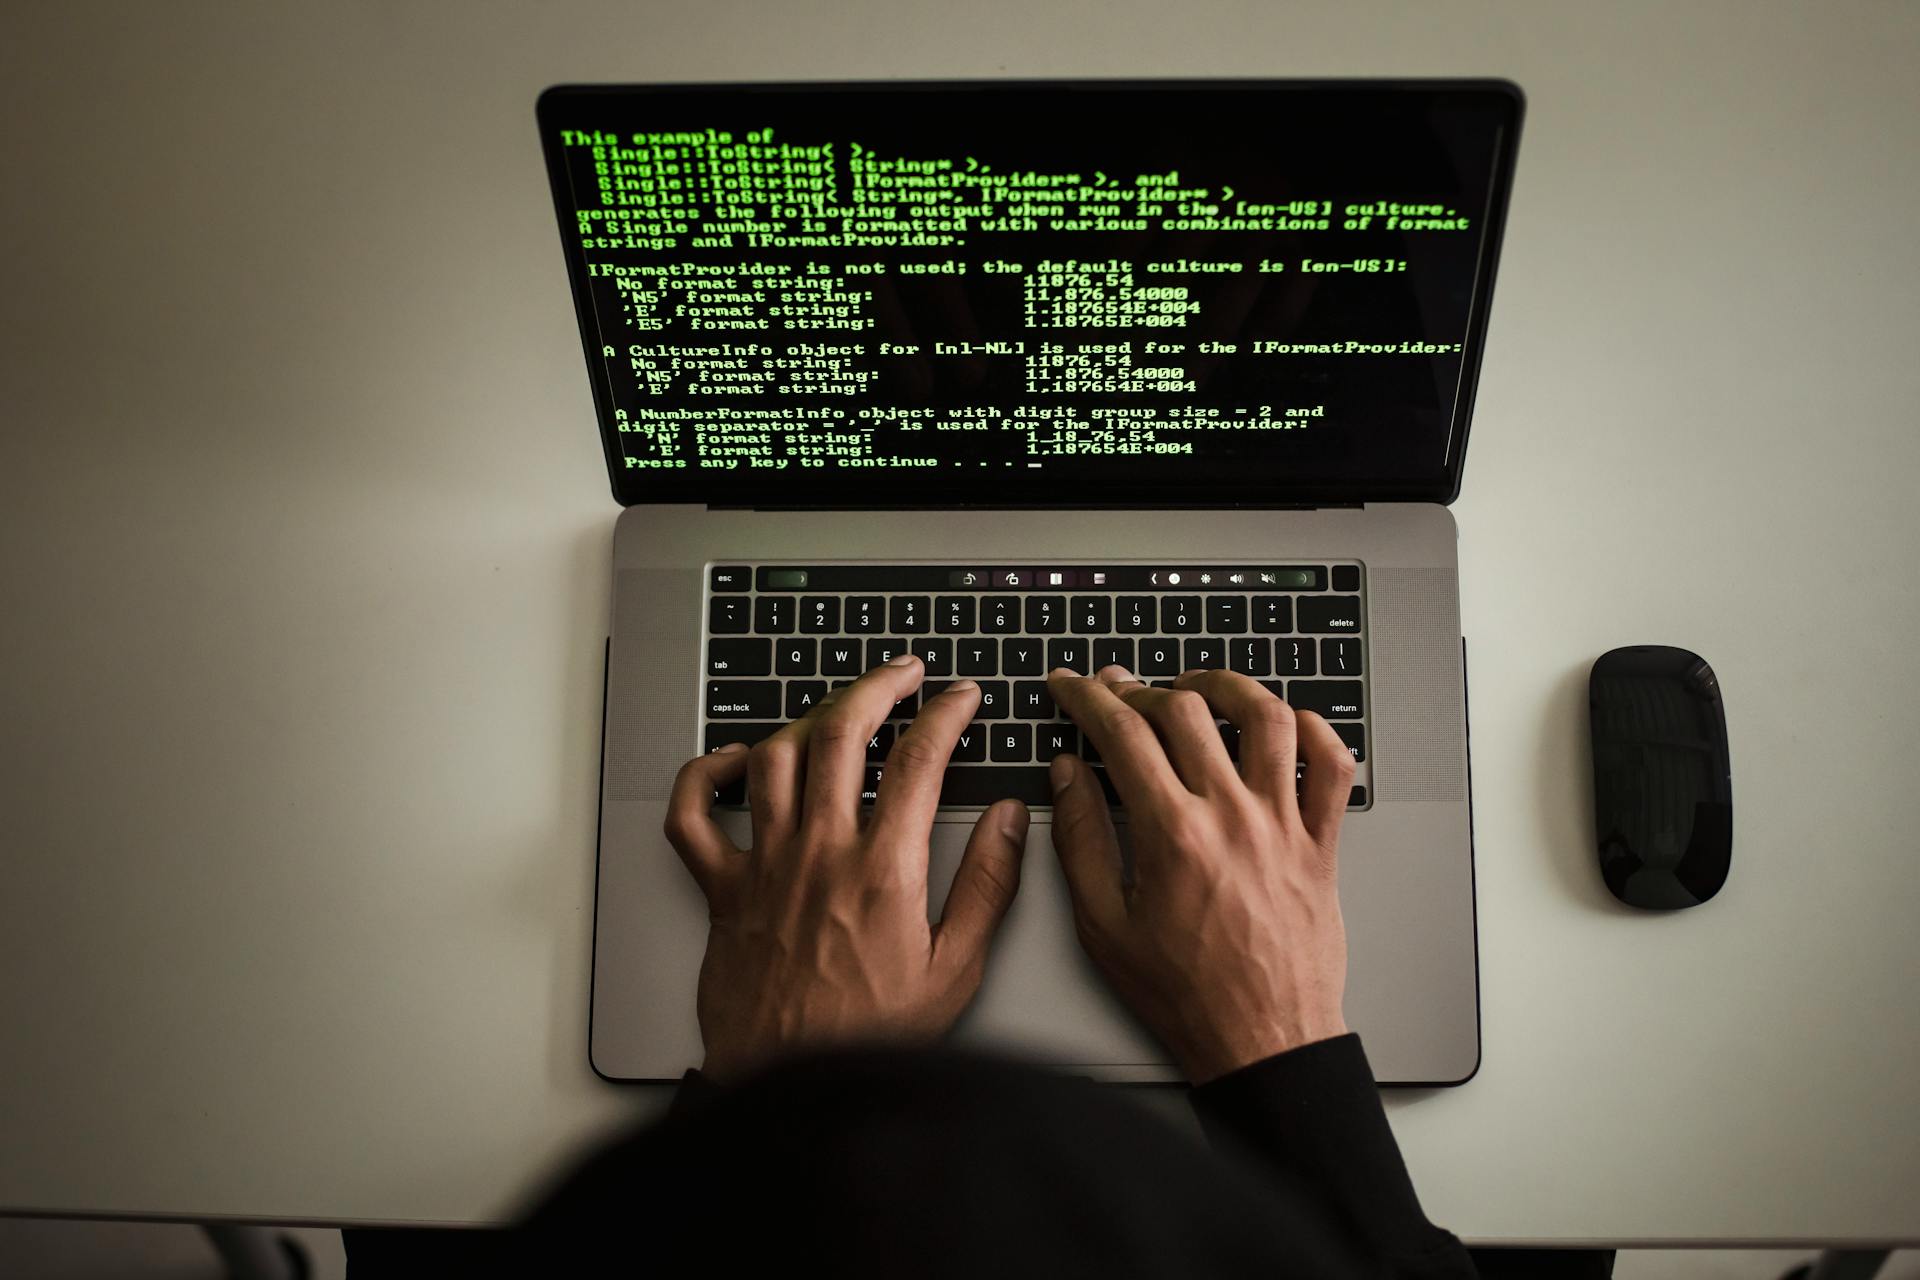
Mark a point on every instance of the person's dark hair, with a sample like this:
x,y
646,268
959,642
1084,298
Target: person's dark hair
x,y
889,1163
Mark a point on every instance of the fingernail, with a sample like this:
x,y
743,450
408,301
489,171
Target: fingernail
x,y
1013,824
902,660
1062,671
961,686
1115,674
1060,773
729,748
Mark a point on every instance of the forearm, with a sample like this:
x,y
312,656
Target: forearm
x,y
1313,1117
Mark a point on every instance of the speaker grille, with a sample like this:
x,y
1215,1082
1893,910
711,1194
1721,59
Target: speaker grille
x,y
1419,718
653,688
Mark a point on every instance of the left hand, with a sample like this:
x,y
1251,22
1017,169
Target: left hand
x,y
819,932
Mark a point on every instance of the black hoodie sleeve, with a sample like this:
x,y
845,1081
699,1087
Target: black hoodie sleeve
x,y
1312,1116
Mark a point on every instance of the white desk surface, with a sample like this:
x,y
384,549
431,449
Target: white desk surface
x,y
304,533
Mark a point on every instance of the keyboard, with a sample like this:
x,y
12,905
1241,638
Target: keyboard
x,y
779,636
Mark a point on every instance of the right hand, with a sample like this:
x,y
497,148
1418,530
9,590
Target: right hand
x,y
1228,942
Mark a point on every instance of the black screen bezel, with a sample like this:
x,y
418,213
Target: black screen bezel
x,y
736,489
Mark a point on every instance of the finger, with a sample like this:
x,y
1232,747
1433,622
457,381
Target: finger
x,y
1088,847
1329,781
982,890
690,827
910,782
837,749
1128,747
1266,728
775,767
1184,722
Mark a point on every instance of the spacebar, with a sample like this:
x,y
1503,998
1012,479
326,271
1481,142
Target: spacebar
x,y
984,784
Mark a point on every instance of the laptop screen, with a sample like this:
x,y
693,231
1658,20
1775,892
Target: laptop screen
x,y
1018,294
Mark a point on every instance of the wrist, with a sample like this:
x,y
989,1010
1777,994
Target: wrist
x,y
1212,1056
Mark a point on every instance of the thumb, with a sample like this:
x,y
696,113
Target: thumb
x,y
1089,849
983,889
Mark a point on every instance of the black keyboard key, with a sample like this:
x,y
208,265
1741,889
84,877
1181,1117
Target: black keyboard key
x,y
881,652
734,794
1340,656
910,615
1180,614
819,615
1000,615
953,615
907,708
1330,613
1091,615
993,700
773,615
729,615
795,657
743,699
971,746
934,654
1135,615
1250,656
1355,736
1346,577
1052,740
1072,653
880,743
840,658
977,657
739,657
1011,743
870,784
1357,799
1272,615
1046,615
802,695
1230,739
1278,688
1022,656
1226,614
729,577
1293,658
719,735
1334,699
1159,657
866,615
1106,785
983,786
1108,653
1031,701
1206,654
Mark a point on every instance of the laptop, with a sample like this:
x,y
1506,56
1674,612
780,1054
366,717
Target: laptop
x,y
1022,375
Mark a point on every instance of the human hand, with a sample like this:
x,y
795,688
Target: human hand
x,y
819,931
1228,942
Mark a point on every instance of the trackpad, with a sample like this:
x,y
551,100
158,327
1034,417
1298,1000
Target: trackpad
x,y
1041,994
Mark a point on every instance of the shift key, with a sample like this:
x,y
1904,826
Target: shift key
x,y
743,699
1332,699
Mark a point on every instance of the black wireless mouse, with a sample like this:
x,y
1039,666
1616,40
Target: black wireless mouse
x,y
1662,786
